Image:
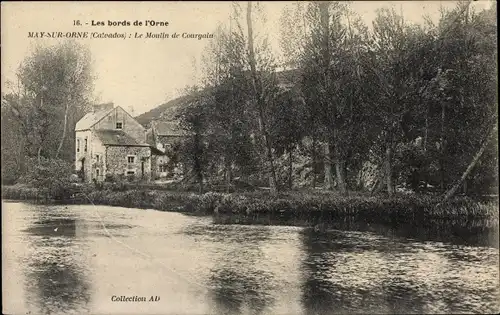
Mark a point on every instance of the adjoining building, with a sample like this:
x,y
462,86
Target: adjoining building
x,y
166,136
111,143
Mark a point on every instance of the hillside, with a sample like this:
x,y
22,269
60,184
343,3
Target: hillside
x,y
165,111
168,110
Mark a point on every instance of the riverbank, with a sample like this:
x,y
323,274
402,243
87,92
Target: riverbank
x,y
310,208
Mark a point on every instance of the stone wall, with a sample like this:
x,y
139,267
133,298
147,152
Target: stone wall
x,y
98,159
117,161
170,140
82,156
88,159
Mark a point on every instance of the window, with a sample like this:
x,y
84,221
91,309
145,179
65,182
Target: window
x,y
130,159
97,173
97,158
86,140
119,125
78,145
163,168
130,172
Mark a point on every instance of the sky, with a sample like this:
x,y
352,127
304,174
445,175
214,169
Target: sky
x,y
140,74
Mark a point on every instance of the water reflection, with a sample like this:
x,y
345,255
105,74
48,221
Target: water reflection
x,y
237,283
324,291
53,227
319,295
346,272
56,274
472,232
401,296
68,264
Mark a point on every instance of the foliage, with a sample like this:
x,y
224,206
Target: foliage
x,y
413,102
40,110
415,88
23,192
311,207
50,175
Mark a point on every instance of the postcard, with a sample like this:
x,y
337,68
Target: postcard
x,y
249,157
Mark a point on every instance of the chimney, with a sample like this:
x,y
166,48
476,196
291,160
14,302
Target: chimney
x,y
103,107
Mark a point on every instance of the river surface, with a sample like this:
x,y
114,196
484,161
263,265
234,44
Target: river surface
x,y
82,259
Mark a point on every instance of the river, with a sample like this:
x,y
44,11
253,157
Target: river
x,y
85,259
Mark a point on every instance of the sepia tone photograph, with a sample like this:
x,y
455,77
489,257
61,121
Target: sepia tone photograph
x,y
249,157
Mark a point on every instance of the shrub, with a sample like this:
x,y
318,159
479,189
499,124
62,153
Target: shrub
x,y
52,175
23,192
329,206
130,177
10,171
205,203
109,178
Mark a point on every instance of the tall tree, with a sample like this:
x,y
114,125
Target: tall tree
x,y
262,92
287,127
194,119
321,59
52,91
390,68
55,86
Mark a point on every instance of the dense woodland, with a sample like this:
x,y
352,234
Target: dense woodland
x,y
357,108
390,107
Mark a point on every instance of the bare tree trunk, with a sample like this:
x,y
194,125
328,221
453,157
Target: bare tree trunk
x,y
473,163
442,148
290,167
340,171
328,167
325,23
376,187
39,154
388,170
339,166
259,100
227,174
184,170
21,156
63,137
314,180
198,167
426,131
200,179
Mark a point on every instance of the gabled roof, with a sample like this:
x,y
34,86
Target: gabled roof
x,y
167,128
118,138
92,118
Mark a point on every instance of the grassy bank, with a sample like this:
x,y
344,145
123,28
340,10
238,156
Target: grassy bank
x,y
320,208
22,192
298,208
117,195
